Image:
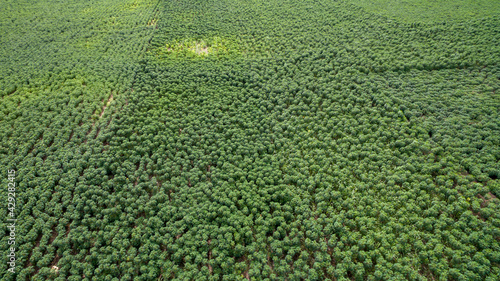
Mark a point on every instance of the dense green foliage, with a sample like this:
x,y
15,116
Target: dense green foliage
x,y
261,140
431,10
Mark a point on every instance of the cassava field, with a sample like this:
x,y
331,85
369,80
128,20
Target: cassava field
x,y
250,140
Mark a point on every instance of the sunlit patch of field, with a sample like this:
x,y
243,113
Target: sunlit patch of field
x,y
152,22
134,4
197,48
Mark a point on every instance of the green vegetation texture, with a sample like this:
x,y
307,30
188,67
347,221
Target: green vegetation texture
x,y
427,11
250,140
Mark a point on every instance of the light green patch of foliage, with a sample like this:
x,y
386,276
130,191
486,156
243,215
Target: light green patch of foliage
x,y
197,48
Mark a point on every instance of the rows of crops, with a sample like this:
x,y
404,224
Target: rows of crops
x,y
251,140
65,70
